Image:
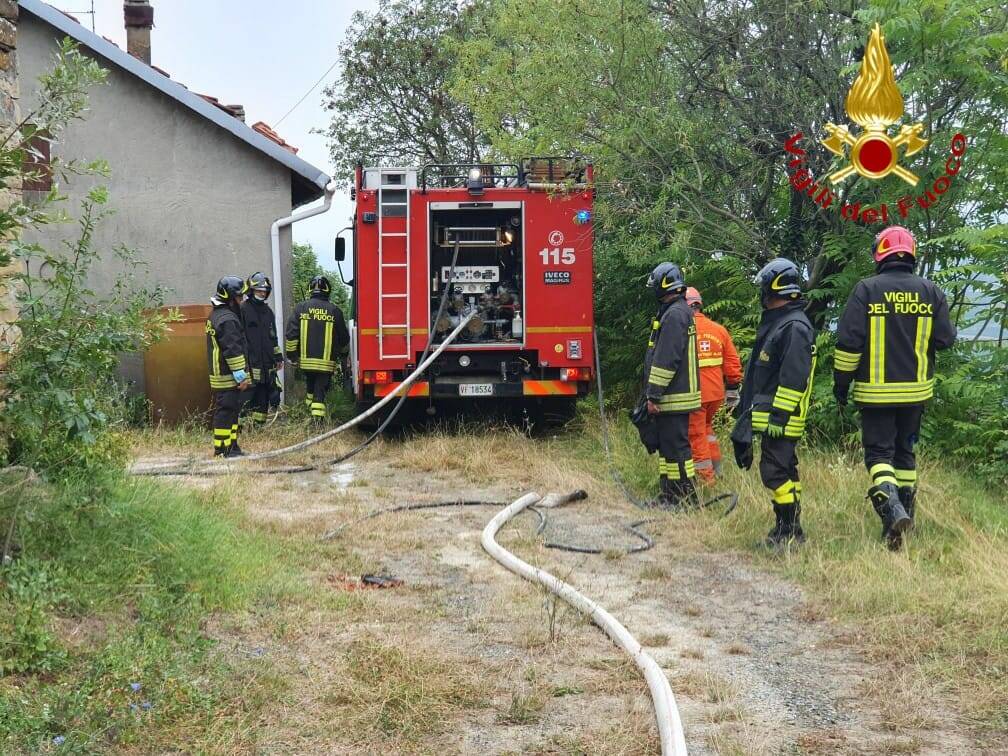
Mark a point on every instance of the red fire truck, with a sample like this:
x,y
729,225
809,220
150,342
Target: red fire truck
x,y
524,266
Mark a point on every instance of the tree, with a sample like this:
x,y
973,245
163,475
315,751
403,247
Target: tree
x,y
61,401
305,266
686,107
391,103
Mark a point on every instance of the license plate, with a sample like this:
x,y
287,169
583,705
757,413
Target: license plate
x,y
476,389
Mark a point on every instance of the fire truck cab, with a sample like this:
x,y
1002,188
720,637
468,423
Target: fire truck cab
x,y
524,266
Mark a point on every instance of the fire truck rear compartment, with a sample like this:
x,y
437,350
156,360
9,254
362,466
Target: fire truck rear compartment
x,y
488,276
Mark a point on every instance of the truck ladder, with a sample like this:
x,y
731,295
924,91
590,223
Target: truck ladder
x,y
384,294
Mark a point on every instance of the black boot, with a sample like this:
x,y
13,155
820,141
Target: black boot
x,y
774,536
788,526
908,498
220,451
666,494
886,501
235,450
689,496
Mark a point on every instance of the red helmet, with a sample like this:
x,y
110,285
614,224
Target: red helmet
x,y
693,297
894,240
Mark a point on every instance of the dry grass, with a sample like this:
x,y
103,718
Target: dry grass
x,y
406,694
524,709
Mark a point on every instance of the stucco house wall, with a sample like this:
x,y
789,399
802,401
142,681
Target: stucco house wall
x,y
190,198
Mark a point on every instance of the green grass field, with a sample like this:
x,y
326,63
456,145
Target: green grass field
x,y
938,610
132,591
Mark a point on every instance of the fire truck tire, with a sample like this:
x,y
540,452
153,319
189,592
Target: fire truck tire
x,y
552,412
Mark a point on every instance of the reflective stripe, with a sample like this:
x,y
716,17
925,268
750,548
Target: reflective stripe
x,y
711,361
893,393
679,402
317,366
235,363
876,356
846,362
660,376
291,345
222,382
327,346
704,464
921,346
906,478
784,493
215,369
304,339
881,473
692,357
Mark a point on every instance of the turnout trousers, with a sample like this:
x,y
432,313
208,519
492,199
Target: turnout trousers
x,y
778,468
703,441
675,459
317,386
259,401
227,406
888,435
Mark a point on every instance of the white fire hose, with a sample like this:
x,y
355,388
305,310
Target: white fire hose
x,y
400,389
670,729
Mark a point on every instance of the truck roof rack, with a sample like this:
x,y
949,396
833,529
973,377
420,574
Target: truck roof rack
x,y
455,175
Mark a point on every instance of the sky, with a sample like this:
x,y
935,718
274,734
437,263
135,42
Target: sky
x,y
262,54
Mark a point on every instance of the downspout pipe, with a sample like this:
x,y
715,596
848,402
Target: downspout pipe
x,y
290,220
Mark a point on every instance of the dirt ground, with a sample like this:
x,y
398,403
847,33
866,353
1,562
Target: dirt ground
x,y
465,657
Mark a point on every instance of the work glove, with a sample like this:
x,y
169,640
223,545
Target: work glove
x,y
743,454
840,391
731,399
776,423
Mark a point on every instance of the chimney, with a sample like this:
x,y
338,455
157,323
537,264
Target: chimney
x,y
139,17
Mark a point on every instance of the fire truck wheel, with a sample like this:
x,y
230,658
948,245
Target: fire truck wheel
x,y
552,412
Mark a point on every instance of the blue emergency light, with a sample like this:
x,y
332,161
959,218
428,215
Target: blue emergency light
x,y
582,217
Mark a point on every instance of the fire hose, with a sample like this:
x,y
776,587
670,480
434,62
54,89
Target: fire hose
x,y
224,467
402,391
670,729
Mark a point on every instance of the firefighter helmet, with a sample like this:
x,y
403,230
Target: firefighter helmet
x,y
894,240
260,282
693,298
230,288
666,279
779,278
320,285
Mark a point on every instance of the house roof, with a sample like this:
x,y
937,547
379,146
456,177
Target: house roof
x,y
308,182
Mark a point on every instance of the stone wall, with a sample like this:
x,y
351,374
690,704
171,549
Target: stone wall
x,y
9,117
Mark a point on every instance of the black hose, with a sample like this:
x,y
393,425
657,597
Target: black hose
x,y
633,528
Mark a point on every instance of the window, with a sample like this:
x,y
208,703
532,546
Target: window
x,y
37,169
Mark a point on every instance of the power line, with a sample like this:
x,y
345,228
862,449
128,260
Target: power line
x,y
305,97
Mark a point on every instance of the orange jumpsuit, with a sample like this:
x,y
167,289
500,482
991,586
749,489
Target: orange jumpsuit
x,y
719,367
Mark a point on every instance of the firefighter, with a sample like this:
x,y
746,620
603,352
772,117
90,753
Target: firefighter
x,y
673,386
316,335
720,368
228,363
264,353
893,324
775,395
